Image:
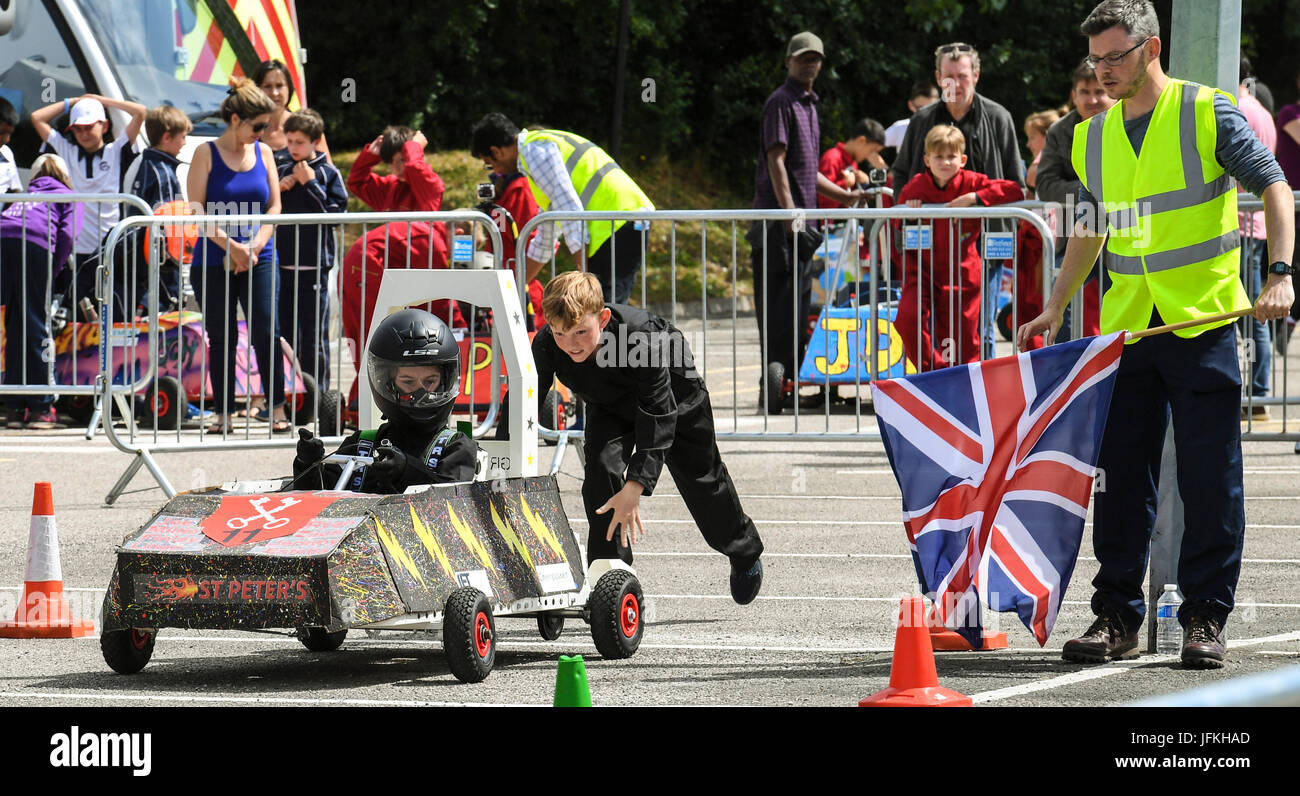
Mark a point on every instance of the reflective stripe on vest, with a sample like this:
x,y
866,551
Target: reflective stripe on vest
x,y
600,183
1168,208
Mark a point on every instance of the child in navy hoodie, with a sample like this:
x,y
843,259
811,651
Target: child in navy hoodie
x,y
153,178
309,183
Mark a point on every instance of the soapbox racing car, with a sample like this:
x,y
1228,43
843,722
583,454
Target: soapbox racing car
x,y
451,559
448,558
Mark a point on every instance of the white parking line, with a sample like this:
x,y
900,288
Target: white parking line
x,y
1083,676
506,644
788,597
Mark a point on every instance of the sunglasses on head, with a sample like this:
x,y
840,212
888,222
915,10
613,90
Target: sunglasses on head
x,y
954,48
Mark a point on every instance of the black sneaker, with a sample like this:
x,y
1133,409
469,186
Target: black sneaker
x,y
1203,643
1106,640
745,585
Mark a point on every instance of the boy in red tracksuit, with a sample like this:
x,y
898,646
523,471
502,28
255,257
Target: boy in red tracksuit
x,y
412,186
938,313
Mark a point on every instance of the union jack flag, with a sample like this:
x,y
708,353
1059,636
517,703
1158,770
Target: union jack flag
x,y
996,462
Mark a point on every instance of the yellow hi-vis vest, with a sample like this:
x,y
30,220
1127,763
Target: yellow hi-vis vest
x,y
597,179
1171,211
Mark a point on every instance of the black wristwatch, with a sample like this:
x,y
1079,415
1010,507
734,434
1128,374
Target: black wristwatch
x,y
1282,268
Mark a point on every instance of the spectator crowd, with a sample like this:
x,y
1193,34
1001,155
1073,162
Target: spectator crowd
x,y
956,147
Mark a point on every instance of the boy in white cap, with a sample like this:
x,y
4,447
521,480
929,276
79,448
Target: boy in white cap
x,y
96,166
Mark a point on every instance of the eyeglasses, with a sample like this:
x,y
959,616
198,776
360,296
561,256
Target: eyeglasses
x,y
1113,60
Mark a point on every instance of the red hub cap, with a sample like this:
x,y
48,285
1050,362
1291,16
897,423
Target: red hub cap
x,y
482,635
139,638
629,615
161,403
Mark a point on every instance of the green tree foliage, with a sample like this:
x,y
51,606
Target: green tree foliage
x,y
440,66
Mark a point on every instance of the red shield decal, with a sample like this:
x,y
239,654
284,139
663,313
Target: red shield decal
x,y
245,519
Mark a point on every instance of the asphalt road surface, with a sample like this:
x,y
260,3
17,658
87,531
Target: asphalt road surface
x,y
821,633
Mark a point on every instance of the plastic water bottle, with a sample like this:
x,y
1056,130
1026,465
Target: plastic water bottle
x,y
1169,634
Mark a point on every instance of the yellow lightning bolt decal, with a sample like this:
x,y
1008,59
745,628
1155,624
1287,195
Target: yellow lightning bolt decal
x,y
395,550
513,540
475,546
540,530
430,543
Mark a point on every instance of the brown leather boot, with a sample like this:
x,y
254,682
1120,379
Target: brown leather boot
x,y
1203,643
1106,640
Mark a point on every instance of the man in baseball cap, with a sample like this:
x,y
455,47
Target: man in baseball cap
x,y
801,43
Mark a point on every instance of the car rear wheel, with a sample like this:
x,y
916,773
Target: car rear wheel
x,y
331,413
127,651
318,639
616,614
774,387
550,625
469,635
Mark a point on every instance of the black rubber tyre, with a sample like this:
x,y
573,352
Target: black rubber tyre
x,y
331,413
1004,323
167,404
127,651
469,635
616,621
550,625
774,387
300,407
549,407
77,407
318,639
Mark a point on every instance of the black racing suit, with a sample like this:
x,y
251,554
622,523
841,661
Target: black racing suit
x,y
455,458
647,407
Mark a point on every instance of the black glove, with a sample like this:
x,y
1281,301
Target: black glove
x,y
310,447
389,466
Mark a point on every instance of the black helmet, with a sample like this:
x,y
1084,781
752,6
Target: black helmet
x,y
406,339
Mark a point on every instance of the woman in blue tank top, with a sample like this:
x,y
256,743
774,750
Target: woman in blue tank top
x,y
235,263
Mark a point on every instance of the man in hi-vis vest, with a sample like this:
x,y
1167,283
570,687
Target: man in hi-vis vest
x,y
568,173
1157,171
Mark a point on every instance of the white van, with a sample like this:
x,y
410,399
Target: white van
x,y
154,52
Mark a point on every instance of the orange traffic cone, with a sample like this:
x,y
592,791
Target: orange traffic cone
x,y
913,681
43,613
944,640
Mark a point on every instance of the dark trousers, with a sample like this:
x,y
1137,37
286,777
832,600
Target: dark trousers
x,y
1198,381
782,294
255,291
696,467
305,320
25,294
623,250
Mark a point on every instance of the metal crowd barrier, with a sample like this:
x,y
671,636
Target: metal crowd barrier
x,y
168,366
878,269
1265,346
75,326
845,266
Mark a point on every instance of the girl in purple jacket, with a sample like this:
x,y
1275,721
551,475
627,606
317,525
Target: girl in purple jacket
x,y
35,241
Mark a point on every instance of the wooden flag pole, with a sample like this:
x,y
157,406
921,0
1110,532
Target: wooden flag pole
x,y
1171,327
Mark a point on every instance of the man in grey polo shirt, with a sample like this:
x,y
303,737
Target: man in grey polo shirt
x,y
789,146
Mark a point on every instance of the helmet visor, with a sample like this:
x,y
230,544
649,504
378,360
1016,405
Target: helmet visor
x,y
414,387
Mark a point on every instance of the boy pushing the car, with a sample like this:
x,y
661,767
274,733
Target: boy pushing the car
x,y
647,407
